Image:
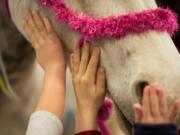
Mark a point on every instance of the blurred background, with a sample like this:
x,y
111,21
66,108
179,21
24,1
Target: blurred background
x,y
175,6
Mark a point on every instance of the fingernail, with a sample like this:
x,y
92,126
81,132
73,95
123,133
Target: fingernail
x,y
155,84
101,69
135,105
177,103
75,47
86,43
28,14
152,89
147,87
33,11
96,49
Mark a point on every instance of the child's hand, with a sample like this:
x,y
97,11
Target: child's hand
x,y
50,56
154,109
45,41
89,85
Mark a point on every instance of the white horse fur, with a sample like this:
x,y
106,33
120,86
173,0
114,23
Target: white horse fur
x,y
130,63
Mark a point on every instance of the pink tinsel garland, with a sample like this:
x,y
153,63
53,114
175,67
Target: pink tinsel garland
x,y
114,27
103,115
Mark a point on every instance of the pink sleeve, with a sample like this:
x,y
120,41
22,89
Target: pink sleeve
x,y
90,132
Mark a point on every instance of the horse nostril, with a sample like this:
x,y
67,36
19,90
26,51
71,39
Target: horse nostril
x,y
139,89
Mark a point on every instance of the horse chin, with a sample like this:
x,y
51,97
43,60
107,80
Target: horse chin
x,y
124,124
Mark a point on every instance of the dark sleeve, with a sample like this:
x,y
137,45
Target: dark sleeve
x,y
90,132
162,129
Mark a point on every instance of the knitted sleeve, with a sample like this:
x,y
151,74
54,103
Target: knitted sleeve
x,y
44,123
90,132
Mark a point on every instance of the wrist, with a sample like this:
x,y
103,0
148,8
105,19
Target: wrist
x,y
91,111
86,120
58,69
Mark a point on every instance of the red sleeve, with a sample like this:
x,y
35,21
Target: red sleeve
x,y
90,132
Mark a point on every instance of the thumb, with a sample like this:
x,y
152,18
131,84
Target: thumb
x,y
137,113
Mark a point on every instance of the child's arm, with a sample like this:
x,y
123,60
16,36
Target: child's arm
x,y
153,118
50,56
53,93
89,85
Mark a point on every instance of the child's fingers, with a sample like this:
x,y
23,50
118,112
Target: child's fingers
x,y
146,103
76,59
30,22
175,111
40,26
92,66
162,102
138,114
84,59
30,28
48,25
100,82
154,102
28,31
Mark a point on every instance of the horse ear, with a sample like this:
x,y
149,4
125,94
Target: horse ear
x,y
5,86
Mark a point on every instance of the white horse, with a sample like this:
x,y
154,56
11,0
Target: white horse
x,y
130,63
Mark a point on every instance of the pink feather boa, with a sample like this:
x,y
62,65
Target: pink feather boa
x,y
114,26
